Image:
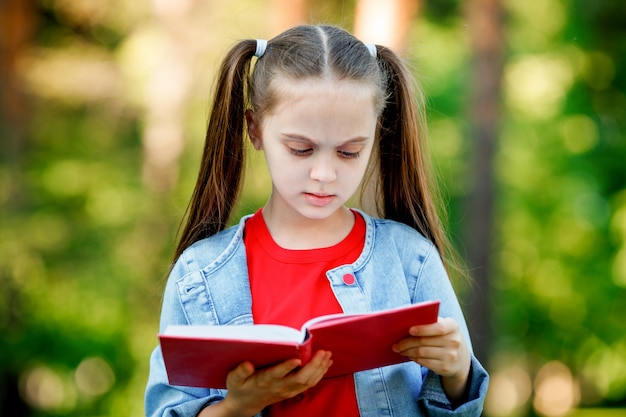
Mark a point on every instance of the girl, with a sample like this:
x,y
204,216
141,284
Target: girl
x,y
330,114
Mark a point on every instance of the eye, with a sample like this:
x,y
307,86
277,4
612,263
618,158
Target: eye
x,y
350,151
349,155
300,151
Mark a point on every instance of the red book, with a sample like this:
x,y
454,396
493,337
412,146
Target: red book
x,y
202,356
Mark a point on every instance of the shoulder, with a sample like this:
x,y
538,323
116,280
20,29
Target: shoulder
x,y
399,235
389,242
213,250
397,256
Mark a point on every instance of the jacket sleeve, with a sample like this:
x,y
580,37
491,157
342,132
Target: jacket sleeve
x,y
162,399
433,401
434,284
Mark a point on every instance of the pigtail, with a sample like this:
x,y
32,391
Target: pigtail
x,y
405,181
221,170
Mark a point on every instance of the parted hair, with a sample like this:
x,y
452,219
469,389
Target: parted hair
x,y
400,176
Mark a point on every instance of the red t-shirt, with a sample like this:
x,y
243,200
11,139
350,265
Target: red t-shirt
x,y
290,287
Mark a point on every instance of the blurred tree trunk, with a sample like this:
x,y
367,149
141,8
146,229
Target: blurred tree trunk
x,y
484,19
385,22
284,14
167,97
17,24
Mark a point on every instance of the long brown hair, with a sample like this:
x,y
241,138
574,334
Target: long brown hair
x,y
403,185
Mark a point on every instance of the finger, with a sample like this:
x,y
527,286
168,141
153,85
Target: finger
x,y
409,343
321,357
405,344
443,367
241,373
420,352
442,327
268,377
431,353
315,370
321,361
434,365
281,370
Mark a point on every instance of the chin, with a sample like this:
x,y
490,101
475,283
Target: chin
x,y
320,213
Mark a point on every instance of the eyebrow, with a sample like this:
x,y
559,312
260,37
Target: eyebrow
x,y
302,138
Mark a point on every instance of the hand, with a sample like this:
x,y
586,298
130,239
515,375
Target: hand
x,y
441,348
250,391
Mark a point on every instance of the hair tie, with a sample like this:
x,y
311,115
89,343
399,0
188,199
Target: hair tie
x,y
372,49
261,45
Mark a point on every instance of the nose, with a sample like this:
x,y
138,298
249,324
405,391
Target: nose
x,y
323,169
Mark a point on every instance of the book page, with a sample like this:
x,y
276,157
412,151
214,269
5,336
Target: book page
x,y
332,319
262,332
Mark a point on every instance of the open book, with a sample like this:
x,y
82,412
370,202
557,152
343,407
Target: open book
x,y
202,356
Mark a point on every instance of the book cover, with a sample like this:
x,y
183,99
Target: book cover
x,y
202,356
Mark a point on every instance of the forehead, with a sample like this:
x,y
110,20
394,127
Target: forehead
x,y
288,91
323,110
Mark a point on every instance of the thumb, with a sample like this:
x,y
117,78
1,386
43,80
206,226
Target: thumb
x,y
241,373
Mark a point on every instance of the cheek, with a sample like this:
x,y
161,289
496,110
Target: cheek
x,y
278,161
364,161
351,175
360,172
283,169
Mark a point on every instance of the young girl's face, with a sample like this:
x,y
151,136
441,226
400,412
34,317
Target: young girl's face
x,y
317,142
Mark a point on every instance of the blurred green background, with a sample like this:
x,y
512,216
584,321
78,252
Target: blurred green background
x,y
101,122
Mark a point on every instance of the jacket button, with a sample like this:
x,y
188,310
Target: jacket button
x,y
348,279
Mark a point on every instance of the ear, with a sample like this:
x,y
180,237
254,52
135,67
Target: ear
x,y
254,129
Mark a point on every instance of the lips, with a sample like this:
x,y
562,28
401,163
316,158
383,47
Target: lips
x,y
319,200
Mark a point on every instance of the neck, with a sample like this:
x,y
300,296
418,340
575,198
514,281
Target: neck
x,y
305,233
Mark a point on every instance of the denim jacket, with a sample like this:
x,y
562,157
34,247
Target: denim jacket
x,y
209,285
